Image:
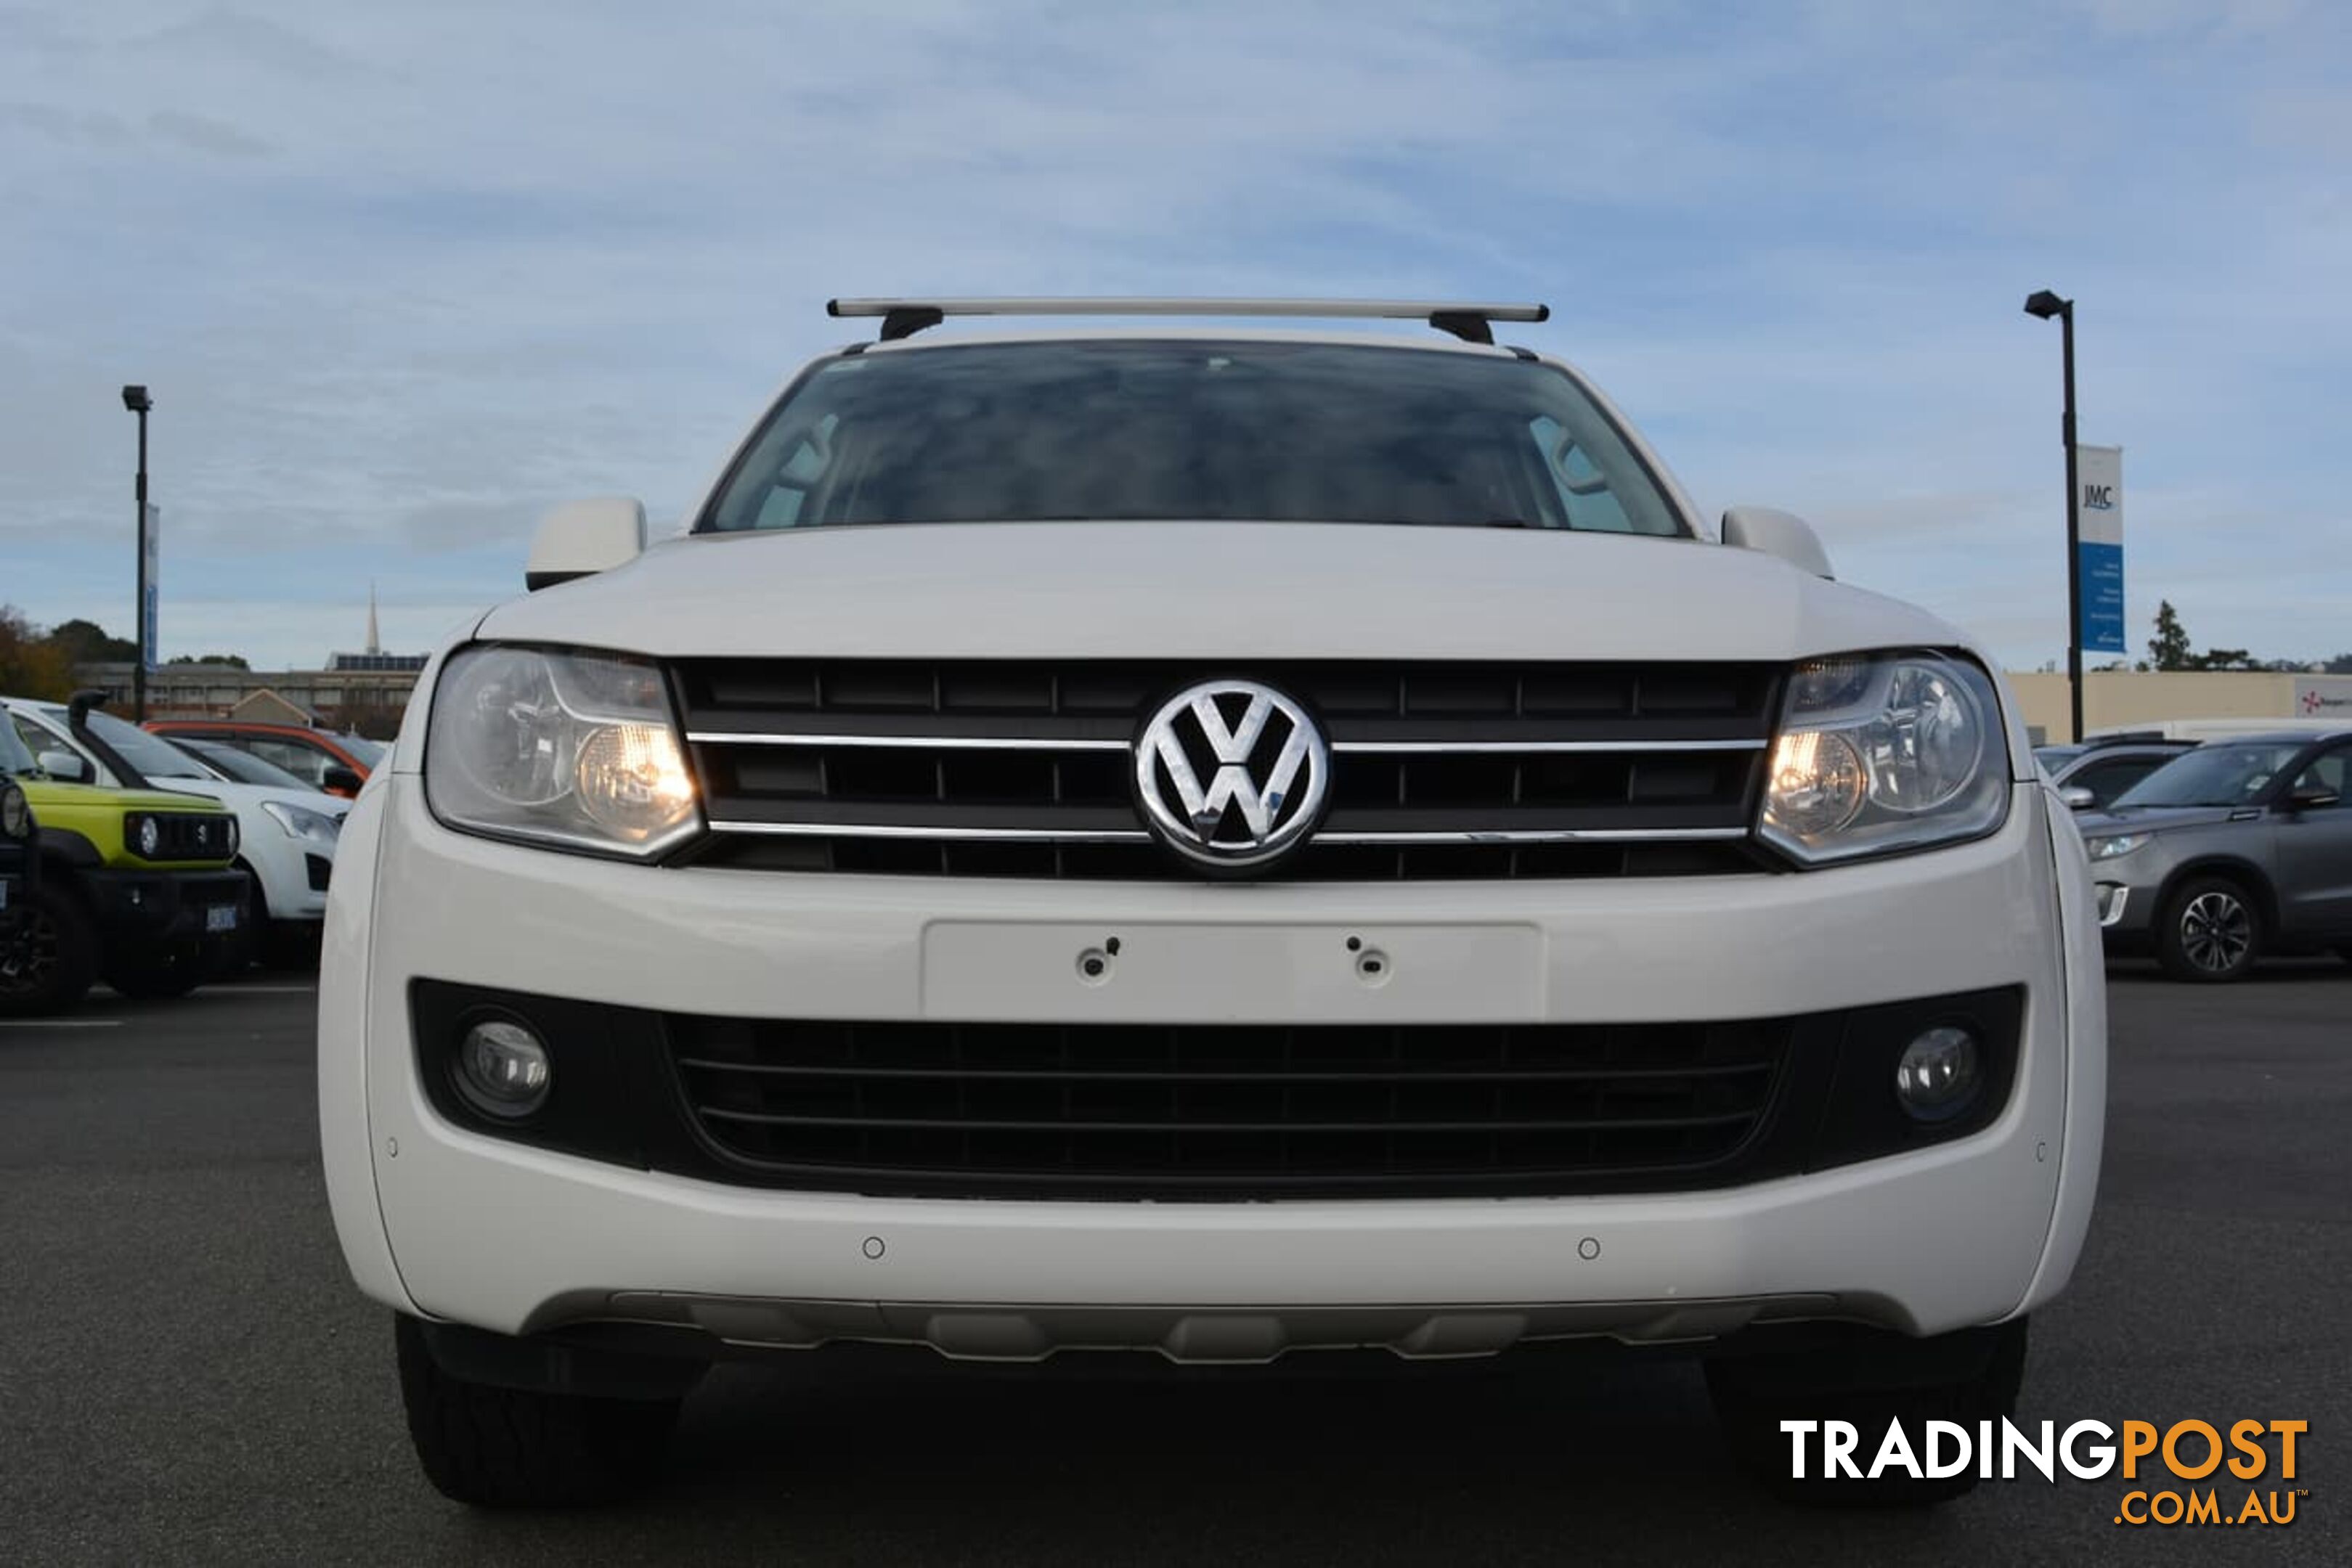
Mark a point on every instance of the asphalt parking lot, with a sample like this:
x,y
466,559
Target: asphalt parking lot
x,y
186,1376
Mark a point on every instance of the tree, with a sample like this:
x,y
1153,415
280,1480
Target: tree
x,y
31,666
86,642
234,661
2169,649
2222,659
2340,666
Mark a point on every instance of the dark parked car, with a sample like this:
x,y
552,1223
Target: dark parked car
x,y
2235,850
2094,775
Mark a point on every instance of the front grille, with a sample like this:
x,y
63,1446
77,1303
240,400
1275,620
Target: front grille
x,y
1022,768
1115,1111
187,836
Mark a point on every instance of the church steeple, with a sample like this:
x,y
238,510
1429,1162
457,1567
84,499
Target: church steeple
x,y
374,645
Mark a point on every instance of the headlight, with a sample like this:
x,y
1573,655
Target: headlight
x,y
146,835
1883,753
301,822
2109,846
572,749
16,816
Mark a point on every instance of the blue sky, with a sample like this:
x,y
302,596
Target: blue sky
x,y
403,276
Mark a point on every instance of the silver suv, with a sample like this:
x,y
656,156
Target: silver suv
x,y
2237,848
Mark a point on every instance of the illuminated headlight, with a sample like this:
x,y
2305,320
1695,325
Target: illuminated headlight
x,y
301,822
2110,845
146,836
16,816
575,751
1878,754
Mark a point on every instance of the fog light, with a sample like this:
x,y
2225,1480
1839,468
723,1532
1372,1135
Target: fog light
x,y
502,1069
1937,1077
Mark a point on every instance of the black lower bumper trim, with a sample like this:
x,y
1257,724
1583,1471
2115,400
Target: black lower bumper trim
x,y
1199,1115
148,904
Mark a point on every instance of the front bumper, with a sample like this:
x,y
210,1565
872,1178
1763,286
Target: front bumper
x,y
146,907
442,1222
2126,891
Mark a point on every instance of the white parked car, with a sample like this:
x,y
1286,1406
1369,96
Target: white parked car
x,y
288,831
1207,842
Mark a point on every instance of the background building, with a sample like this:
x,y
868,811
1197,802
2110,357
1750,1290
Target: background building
x,y
2116,697
364,693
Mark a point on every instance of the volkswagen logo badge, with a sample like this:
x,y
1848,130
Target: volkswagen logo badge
x,y
1231,774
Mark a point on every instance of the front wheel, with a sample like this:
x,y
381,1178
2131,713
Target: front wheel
x,y
510,1448
1876,1380
2209,931
48,962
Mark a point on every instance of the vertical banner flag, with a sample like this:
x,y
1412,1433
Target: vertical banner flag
x,y
148,643
2099,470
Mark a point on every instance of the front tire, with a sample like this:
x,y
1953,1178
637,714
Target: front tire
x,y
48,964
1965,1377
2209,931
511,1447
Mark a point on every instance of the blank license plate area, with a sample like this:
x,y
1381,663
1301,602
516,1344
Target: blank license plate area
x,y
221,917
995,973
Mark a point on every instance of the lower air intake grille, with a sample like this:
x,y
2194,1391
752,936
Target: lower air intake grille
x,y
1111,1110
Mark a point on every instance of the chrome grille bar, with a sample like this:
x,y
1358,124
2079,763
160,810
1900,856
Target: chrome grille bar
x,y
1342,747
1023,768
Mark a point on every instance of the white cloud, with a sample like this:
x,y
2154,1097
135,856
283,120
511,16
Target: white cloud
x,y
401,275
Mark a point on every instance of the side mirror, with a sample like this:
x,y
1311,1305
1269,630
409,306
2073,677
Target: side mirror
x,y
340,781
65,767
2314,798
1784,534
580,538
2077,798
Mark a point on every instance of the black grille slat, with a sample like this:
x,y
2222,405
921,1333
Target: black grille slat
x,y
1497,1077
186,836
1020,768
1112,1110
1179,1123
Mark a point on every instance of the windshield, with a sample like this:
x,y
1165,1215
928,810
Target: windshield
x,y
2053,757
1195,429
16,756
2211,776
369,752
150,754
246,768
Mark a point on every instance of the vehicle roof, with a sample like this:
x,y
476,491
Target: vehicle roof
x,y
252,724
2281,737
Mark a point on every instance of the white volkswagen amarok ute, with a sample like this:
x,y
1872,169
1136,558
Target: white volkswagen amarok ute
x,y
1210,842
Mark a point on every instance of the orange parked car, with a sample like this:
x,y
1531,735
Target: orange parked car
x,y
337,764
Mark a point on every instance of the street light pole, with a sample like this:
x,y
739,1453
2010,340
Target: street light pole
x,y
2045,304
136,400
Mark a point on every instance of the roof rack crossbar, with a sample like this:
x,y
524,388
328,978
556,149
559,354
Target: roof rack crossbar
x,y
1472,322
